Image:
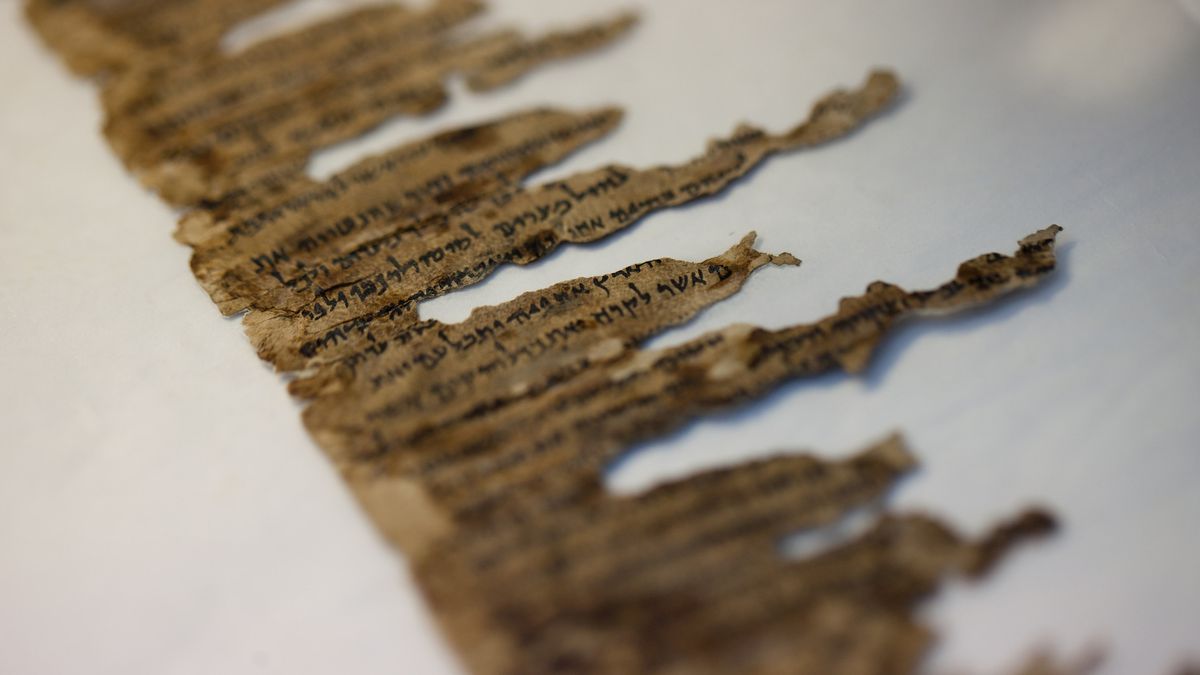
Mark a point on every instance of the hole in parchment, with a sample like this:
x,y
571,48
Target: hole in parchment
x,y
287,18
810,543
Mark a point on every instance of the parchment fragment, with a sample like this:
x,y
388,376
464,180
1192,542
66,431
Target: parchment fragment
x,y
513,57
479,447
536,447
378,208
687,578
103,35
307,302
430,374
494,490
200,125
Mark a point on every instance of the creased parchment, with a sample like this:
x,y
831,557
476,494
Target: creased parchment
x,y
479,447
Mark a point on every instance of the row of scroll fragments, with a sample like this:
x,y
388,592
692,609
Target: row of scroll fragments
x,y
478,448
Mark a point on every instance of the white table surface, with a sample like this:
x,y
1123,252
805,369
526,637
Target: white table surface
x,y
162,511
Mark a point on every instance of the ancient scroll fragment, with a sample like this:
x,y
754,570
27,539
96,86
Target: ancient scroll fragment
x,y
198,124
338,265
688,577
535,440
478,447
486,470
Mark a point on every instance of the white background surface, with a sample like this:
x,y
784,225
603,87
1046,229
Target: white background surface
x,y
162,511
